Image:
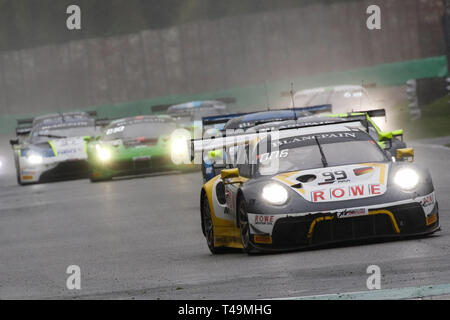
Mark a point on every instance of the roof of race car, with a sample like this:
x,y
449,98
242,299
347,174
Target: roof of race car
x,y
63,120
304,121
59,116
143,118
250,119
332,88
196,104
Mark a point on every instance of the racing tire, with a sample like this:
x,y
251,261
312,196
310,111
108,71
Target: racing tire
x,y
19,181
92,179
244,227
208,228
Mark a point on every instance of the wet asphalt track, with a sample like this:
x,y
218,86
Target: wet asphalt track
x,y
141,238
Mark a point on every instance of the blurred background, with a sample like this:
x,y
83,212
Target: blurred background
x,y
130,55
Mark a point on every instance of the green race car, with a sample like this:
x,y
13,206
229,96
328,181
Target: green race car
x,y
388,140
136,145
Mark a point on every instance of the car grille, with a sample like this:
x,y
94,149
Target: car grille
x,y
66,170
294,231
141,164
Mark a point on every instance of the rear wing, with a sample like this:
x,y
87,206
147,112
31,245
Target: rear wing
x,y
24,126
102,122
164,107
376,113
160,108
212,120
316,109
227,100
92,113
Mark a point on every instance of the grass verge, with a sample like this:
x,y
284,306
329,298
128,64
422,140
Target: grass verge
x,y
435,120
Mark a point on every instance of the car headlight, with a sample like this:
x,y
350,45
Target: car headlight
x,y
35,159
406,178
103,153
179,146
275,194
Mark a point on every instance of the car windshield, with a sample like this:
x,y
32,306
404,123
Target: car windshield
x,y
309,156
140,129
341,101
44,134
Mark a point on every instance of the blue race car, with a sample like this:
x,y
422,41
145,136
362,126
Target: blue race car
x,y
242,121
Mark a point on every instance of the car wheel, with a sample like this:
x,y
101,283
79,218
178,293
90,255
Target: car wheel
x,y
244,227
19,181
96,179
208,228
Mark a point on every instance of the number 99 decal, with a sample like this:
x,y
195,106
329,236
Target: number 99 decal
x,y
330,176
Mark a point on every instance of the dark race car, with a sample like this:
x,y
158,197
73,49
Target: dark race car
x,y
314,185
214,125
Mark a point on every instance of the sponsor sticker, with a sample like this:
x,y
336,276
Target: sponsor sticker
x,y
361,171
264,220
345,193
427,201
67,151
431,219
349,213
265,239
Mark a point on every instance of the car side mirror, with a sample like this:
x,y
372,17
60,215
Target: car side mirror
x,y
231,176
229,173
405,154
14,142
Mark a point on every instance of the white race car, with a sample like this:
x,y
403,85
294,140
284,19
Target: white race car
x,y
343,98
54,149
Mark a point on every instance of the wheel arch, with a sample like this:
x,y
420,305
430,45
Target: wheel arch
x,y
203,196
240,197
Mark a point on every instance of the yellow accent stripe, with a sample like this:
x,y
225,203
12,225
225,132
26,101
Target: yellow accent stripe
x,y
313,224
283,177
382,169
262,239
390,214
319,219
50,142
226,233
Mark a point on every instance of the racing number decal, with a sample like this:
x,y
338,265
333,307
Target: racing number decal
x,y
273,155
330,177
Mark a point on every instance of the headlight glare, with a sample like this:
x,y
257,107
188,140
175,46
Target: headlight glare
x,y
275,194
34,159
179,146
103,153
406,178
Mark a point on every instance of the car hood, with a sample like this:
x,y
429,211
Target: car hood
x,y
338,183
69,148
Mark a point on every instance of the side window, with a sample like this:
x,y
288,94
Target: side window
x,y
245,168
